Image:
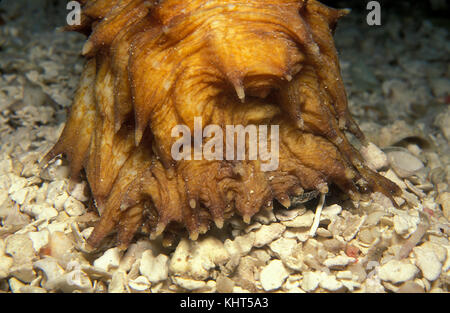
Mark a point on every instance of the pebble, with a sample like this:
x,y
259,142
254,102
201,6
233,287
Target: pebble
x,y
410,287
296,290
56,194
262,255
352,225
443,122
322,232
196,259
59,245
6,165
118,281
241,245
224,284
376,159
15,285
20,195
350,284
440,86
404,164
405,224
283,247
155,269
301,234
265,216
310,281
373,285
80,191
390,174
273,275
304,220
109,260
267,233
52,271
292,282
330,212
428,262
73,207
141,283
20,247
289,214
32,289
344,275
339,261
5,261
329,282
397,271
134,253
17,183
76,280
40,211
187,283
55,172
39,239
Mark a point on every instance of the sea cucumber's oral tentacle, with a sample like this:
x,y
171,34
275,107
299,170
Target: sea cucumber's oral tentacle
x,y
124,195
321,18
205,186
108,150
252,190
129,224
77,133
320,155
306,96
98,9
120,55
125,13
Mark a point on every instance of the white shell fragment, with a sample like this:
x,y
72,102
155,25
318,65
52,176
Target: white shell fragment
x,y
303,220
398,271
196,259
155,269
141,283
267,233
241,245
273,275
405,224
428,262
404,164
310,281
188,283
375,158
74,207
109,260
20,247
283,247
58,280
5,261
338,261
329,282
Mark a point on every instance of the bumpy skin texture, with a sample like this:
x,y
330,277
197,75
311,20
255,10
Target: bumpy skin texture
x,y
154,65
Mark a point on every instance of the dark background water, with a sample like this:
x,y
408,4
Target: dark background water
x,y
51,13
430,8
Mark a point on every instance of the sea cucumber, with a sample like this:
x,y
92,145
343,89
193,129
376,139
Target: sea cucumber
x,y
153,65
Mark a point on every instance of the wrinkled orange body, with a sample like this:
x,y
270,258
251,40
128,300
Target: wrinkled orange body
x,y
152,66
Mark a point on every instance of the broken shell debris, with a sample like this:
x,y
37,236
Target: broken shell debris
x,y
367,246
